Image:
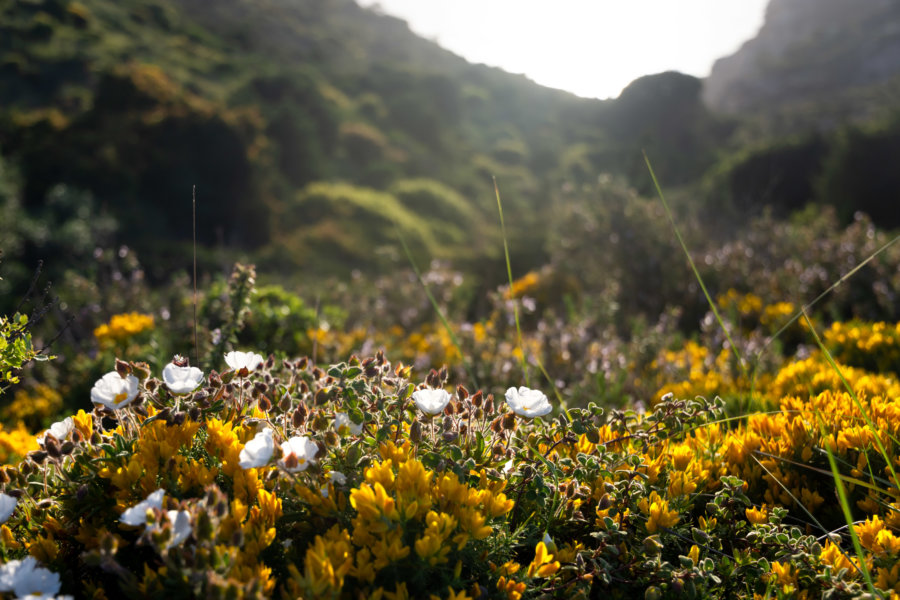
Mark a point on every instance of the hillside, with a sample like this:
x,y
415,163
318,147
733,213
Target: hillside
x,y
297,120
831,53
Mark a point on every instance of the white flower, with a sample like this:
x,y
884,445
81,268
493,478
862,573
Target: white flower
x,y
549,543
337,477
343,425
25,578
527,402
431,402
181,526
324,490
60,430
113,391
137,514
299,452
243,362
257,451
507,466
181,380
7,507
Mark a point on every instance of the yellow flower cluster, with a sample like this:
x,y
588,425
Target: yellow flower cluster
x,y
32,406
523,285
15,443
744,304
402,508
874,346
122,327
693,371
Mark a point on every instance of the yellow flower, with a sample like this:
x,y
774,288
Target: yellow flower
x,y
694,554
658,513
888,579
512,589
833,556
757,516
543,564
784,573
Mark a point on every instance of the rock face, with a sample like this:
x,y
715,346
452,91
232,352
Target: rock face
x,y
807,49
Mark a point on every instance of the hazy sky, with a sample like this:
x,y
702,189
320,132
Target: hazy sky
x,y
593,48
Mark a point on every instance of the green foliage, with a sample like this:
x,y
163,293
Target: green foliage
x,y
16,349
856,177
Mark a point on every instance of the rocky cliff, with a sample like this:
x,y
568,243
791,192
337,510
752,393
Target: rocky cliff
x,y
806,51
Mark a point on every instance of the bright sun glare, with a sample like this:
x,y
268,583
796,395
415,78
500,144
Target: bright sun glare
x,y
592,48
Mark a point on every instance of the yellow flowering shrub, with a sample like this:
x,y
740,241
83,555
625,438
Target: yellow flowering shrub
x,y
122,327
32,406
296,481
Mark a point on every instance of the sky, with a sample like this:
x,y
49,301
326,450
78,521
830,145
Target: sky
x,y
592,48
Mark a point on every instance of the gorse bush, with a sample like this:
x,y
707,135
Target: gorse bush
x,y
279,478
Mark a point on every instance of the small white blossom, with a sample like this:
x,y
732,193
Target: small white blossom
x,y
243,362
258,451
114,391
181,526
137,514
527,402
343,425
337,477
299,452
181,380
24,578
431,402
7,507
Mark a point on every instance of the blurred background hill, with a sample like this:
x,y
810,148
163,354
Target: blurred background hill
x,y
317,132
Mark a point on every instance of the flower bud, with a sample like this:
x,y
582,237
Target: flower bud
x,y
496,426
322,396
196,414
415,432
67,448
331,438
51,445
214,379
299,416
461,392
652,545
141,370
284,404
478,399
38,456
123,368
508,421
264,403
370,368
